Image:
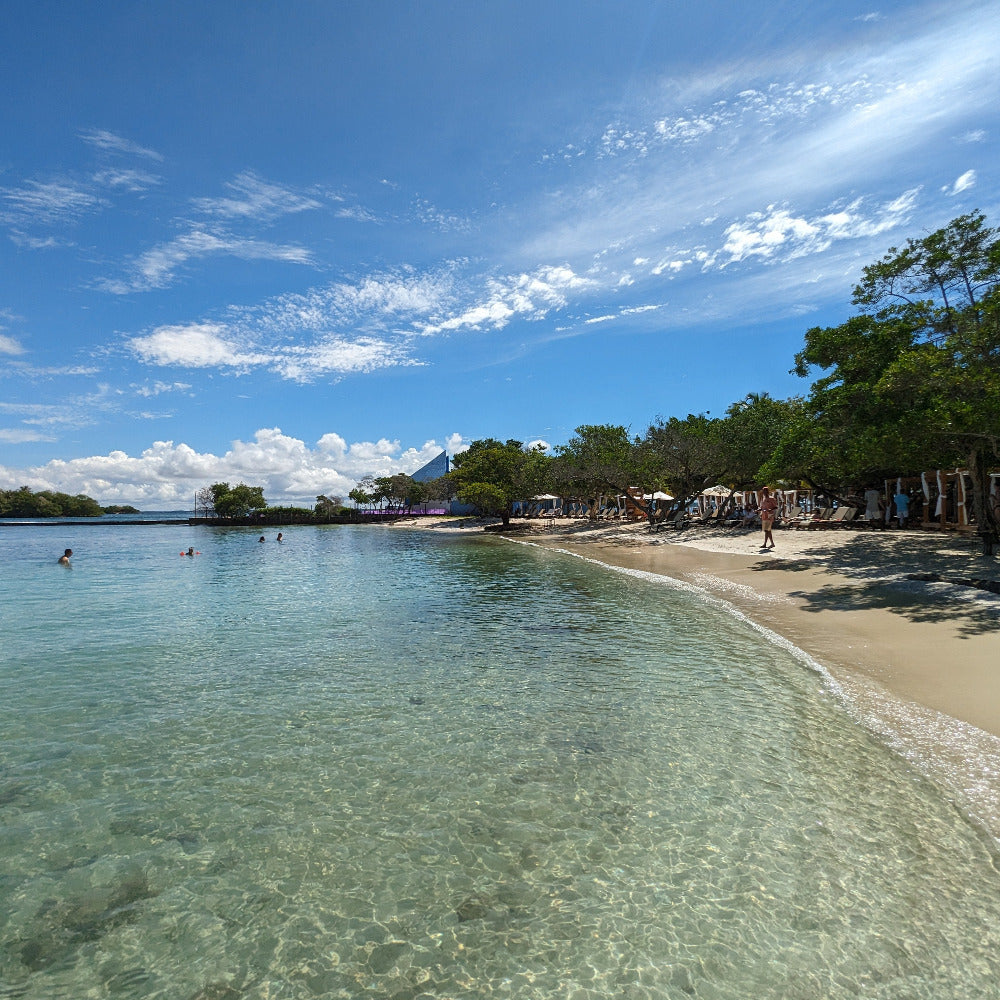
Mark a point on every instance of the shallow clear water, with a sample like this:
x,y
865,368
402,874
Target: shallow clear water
x,y
374,763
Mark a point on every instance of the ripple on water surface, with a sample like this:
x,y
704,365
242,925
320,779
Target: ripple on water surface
x,y
374,763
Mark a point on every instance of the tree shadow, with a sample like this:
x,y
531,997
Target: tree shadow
x,y
892,572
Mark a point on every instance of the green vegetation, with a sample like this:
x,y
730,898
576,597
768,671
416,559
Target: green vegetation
x,y
237,501
492,475
909,384
46,503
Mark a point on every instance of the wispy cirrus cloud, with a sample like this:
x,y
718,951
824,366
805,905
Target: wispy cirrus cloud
x,y
72,413
339,329
742,138
962,183
527,296
123,179
158,267
349,328
48,203
110,142
254,198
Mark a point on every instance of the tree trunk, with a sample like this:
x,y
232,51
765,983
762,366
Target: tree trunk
x,y
986,524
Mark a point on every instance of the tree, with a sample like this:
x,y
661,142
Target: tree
x,y
240,501
398,491
364,493
914,380
204,499
685,455
750,432
601,458
327,506
438,491
493,475
47,503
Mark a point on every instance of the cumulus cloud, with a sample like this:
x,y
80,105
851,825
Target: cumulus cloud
x,y
167,474
198,345
213,345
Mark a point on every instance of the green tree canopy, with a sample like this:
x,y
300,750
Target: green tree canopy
x,y
600,458
750,432
913,382
239,501
493,475
686,455
47,503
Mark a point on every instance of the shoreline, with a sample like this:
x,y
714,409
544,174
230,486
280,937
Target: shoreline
x,y
917,661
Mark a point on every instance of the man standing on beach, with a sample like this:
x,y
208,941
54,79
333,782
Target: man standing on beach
x,y
768,508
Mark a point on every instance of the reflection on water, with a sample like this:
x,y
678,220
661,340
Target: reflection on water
x,y
376,763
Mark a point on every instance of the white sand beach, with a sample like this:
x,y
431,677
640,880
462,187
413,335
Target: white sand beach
x,y
919,661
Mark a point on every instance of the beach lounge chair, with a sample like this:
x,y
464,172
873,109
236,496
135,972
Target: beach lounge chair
x,y
675,522
817,519
837,518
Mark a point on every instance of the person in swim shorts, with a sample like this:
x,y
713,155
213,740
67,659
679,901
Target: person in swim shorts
x,y
768,511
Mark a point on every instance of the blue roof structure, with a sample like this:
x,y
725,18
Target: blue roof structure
x,y
434,469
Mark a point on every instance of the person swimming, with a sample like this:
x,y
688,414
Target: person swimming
x,y
64,558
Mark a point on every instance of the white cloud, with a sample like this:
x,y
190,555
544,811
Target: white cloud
x,y
529,296
20,435
8,345
157,267
48,203
335,330
197,345
256,199
159,388
126,180
963,183
214,345
776,234
112,143
166,474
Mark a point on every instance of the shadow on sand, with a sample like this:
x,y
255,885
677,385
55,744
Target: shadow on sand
x,y
907,574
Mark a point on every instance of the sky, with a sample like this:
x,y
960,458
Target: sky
x,y
296,243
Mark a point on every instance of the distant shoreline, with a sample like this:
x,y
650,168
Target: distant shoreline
x,y
57,522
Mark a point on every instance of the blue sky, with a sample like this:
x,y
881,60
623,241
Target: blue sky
x,y
293,243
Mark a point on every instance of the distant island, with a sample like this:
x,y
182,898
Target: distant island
x,y
48,503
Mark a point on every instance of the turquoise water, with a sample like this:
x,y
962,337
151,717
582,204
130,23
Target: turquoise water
x,y
376,763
